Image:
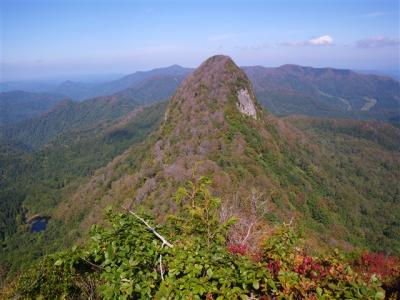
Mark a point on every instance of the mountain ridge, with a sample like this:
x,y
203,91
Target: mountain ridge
x,y
326,92
68,115
265,159
80,90
17,106
285,90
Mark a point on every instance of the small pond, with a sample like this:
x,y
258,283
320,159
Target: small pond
x,y
39,224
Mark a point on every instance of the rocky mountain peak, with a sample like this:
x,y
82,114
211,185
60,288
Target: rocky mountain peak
x,y
213,126
217,82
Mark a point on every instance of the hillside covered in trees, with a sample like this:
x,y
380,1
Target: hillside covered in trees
x,y
216,175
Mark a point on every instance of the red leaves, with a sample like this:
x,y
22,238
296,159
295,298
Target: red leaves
x,y
386,268
274,266
240,249
311,269
380,264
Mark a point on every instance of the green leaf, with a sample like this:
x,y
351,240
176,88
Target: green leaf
x,y
209,273
256,284
380,295
319,291
59,262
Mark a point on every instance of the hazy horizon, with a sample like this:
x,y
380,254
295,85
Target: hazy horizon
x,y
68,39
104,77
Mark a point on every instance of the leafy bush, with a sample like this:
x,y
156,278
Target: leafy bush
x,y
188,258
386,268
54,277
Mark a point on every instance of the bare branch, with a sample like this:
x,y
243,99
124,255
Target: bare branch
x,y
161,268
248,233
92,264
163,239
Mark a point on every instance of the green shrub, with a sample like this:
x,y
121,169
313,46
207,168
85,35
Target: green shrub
x,y
188,258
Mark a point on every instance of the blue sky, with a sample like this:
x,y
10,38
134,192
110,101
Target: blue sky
x,y
53,38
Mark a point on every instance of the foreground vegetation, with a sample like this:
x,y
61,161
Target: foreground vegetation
x,y
190,257
35,183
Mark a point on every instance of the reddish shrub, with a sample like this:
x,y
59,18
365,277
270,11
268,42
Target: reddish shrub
x,y
380,264
387,268
257,256
274,266
311,269
240,249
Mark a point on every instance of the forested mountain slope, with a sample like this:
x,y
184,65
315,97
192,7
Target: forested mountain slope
x,y
17,106
367,155
97,112
326,92
36,182
34,119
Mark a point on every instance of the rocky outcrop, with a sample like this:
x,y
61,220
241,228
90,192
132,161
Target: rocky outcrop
x,y
245,104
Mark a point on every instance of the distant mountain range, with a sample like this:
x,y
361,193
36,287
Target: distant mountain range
x,y
326,92
395,74
17,106
80,90
289,89
67,115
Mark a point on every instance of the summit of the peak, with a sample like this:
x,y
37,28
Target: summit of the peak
x,y
217,82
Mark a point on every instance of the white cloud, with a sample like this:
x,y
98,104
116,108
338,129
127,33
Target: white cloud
x,y
321,41
324,40
377,42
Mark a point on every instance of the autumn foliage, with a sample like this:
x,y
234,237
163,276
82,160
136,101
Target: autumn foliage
x,y
128,261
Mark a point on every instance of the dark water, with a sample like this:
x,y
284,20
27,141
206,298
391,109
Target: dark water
x,y
39,225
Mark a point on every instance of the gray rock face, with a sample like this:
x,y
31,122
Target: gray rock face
x,y
245,104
